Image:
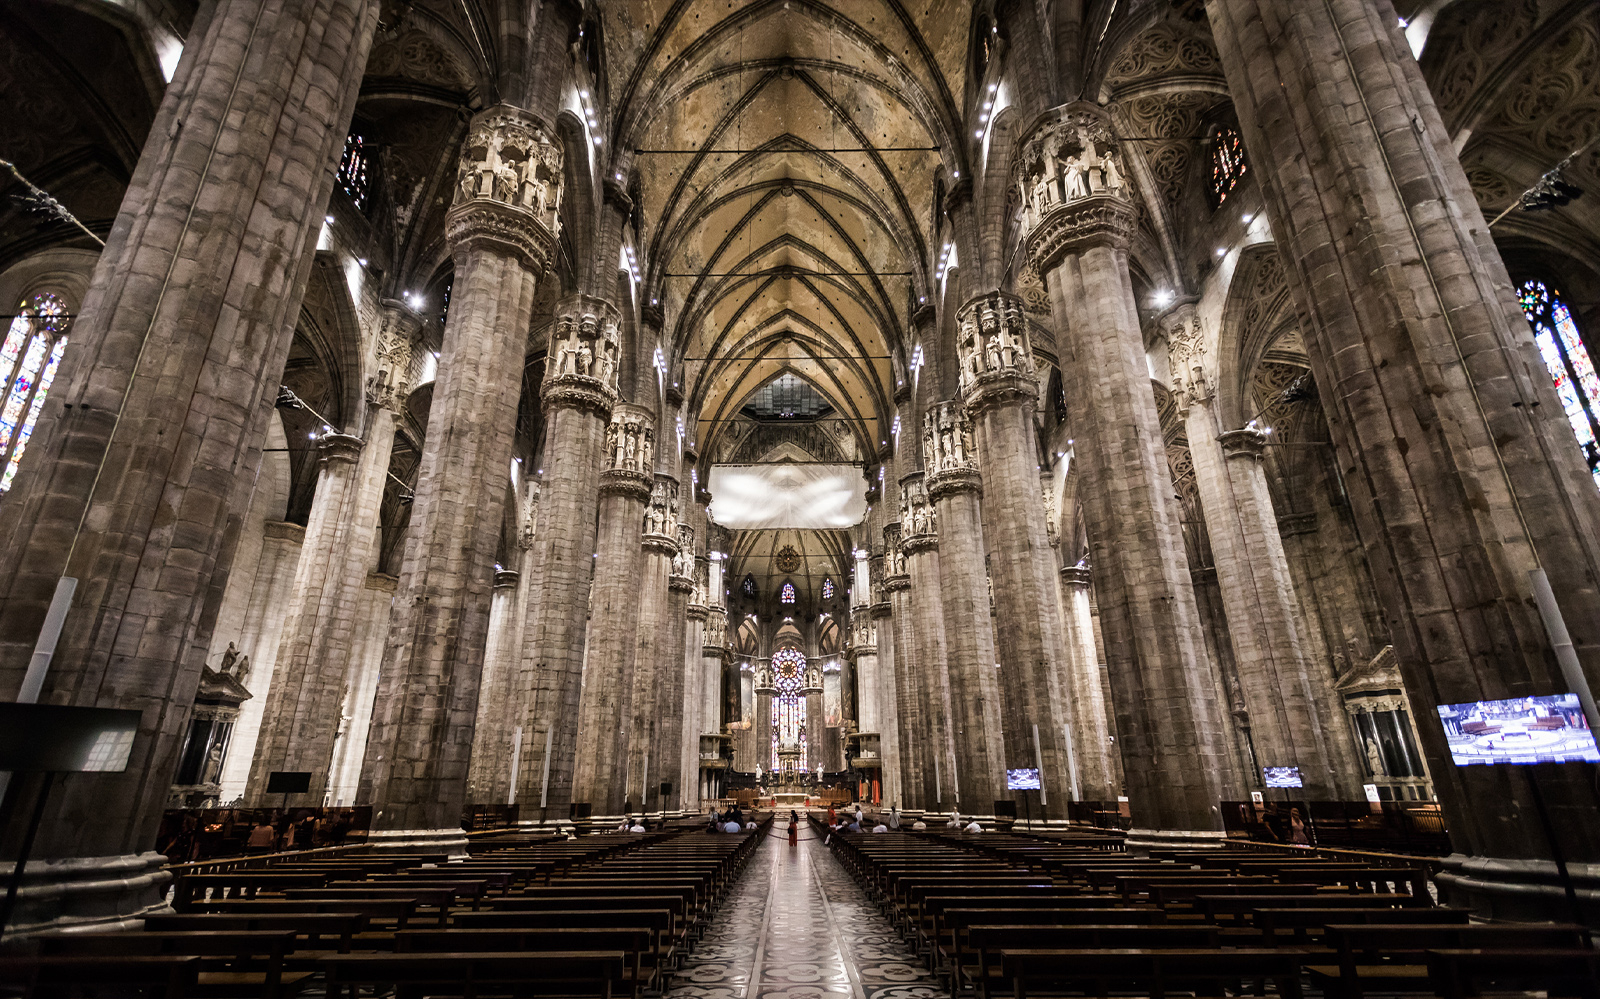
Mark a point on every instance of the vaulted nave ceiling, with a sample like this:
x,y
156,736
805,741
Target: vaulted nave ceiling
x,y
785,155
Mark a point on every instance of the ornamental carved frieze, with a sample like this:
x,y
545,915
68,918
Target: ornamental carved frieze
x,y
1083,225
1070,157
629,467
581,365
661,516
894,557
508,159
508,187
996,355
399,334
919,520
863,636
527,531
949,453
683,565
716,636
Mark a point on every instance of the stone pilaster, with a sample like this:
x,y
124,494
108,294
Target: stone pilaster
x,y
1467,485
318,655
420,742
697,717
1169,728
617,604
680,734
502,708
925,631
999,388
953,490
1092,764
648,596
579,394
260,638
489,744
887,688
1287,725
141,472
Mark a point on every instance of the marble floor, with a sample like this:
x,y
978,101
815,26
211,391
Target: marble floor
x,y
796,926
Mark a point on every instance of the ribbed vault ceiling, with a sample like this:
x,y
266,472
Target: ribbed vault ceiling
x,y
785,152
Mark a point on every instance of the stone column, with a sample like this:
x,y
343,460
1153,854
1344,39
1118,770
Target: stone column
x,y
316,660
361,691
260,637
501,237
137,482
502,711
1264,627
910,722
1169,726
618,604
644,600
679,733
489,745
1092,764
887,688
1465,481
578,396
999,387
953,488
697,720
925,631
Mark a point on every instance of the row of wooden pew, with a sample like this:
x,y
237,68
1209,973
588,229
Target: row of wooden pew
x,y
603,916
1020,915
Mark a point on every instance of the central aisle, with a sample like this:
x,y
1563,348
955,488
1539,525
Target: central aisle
x,y
797,927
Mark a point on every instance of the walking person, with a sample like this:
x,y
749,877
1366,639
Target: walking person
x,y
794,828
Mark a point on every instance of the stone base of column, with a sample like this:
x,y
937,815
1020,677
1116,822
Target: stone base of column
x,y
88,893
452,842
1501,890
1142,841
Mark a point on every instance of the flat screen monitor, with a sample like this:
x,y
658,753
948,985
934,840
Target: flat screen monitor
x,y
66,739
1547,729
1025,779
1282,776
288,782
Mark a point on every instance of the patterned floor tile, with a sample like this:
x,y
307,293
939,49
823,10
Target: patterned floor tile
x,y
796,926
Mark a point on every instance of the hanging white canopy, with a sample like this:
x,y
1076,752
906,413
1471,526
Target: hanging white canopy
x,y
800,497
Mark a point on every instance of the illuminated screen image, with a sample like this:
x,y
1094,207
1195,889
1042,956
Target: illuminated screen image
x,y
1282,776
1026,779
1548,729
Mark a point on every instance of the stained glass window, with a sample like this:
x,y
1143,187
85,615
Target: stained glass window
x,y
786,594
1227,163
1562,347
788,705
827,588
29,358
354,170
748,586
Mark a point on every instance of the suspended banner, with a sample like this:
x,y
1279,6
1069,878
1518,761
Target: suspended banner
x,y
798,497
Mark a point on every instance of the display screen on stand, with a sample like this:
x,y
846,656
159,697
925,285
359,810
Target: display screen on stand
x,y
1024,779
1548,729
1282,776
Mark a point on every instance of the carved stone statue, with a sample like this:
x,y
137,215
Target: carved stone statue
x,y
230,655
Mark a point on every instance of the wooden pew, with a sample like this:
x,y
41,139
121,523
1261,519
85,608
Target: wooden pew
x,y
1392,956
1458,973
231,962
165,976
1205,971
986,942
633,943
314,926
455,974
1270,921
